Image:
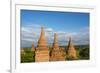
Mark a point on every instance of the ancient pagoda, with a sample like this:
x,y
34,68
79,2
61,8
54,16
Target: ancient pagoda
x,y
33,48
42,51
71,52
55,43
56,54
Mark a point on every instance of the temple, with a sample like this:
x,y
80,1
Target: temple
x,y
42,40
42,51
55,43
57,54
71,52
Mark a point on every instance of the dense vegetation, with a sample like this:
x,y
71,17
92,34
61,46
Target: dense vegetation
x,y
28,56
83,52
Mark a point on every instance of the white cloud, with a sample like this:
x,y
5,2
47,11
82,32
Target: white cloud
x,y
31,33
49,30
61,32
27,39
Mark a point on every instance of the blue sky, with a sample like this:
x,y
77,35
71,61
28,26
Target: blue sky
x,y
64,23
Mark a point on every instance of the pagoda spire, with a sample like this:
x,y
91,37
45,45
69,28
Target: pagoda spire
x,y
42,40
57,54
70,44
71,50
42,51
33,48
55,43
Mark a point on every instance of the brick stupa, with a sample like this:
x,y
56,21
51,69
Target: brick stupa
x,y
71,52
55,43
56,54
33,48
42,51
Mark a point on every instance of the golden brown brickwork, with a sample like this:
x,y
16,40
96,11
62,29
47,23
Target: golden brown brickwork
x,y
42,52
71,52
56,54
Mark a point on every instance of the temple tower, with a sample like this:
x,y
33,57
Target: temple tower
x,y
71,52
33,48
42,40
57,54
55,43
42,51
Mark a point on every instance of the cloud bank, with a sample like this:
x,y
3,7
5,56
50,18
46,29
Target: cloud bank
x,y
31,33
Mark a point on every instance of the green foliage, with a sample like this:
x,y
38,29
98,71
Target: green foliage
x,y
29,56
84,53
